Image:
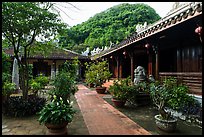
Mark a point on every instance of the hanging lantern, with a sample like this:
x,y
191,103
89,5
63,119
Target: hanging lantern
x,y
198,30
147,45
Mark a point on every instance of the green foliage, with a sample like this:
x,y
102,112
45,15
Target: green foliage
x,y
97,73
121,88
141,88
8,88
6,65
169,94
43,80
72,68
30,71
38,83
64,85
35,87
56,112
15,106
111,25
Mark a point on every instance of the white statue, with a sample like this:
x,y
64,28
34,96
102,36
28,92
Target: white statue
x,y
15,73
86,52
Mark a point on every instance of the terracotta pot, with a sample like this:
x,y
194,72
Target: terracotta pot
x,y
57,129
91,85
166,125
100,90
118,103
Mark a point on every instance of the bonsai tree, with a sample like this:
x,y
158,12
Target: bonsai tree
x,y
97,73
167,96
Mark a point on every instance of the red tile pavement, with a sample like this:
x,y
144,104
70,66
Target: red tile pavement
x,y
103,119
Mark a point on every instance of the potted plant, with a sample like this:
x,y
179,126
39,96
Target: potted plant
x,y
56,115
140,94
98,73
120,90
168,95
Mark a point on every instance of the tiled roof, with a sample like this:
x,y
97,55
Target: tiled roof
x,y
58,53
183,13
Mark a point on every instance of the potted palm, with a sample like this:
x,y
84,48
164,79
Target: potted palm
x,y
167,96
120,90
56,115
97,73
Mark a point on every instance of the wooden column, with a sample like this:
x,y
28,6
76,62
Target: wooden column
x,y
157,66
155,49
131,55
118,65
149,54
149,64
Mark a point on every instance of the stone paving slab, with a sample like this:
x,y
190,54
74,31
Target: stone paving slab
x,y
103,119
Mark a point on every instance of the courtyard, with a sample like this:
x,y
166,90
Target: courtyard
x,y
89,120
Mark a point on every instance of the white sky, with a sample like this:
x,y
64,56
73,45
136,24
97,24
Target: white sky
x,y
89,9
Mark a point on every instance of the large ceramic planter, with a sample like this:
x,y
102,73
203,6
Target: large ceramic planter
x,y
118,103
166,125
100,90
57,129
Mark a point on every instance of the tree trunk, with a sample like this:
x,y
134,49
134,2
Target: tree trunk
x,y
25,79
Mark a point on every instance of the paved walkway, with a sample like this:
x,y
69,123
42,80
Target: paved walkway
x,y
103,119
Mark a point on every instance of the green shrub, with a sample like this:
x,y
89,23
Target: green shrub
x,y
35,86
8,88
43,80
121,88
97,73
64,86
17,107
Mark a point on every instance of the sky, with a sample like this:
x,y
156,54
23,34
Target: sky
x,y
78,12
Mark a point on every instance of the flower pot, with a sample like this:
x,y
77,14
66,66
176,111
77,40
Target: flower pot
x,y
91,85
57,129
100,90
166,125
118,103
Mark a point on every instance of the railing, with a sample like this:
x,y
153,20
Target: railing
x,y
192,79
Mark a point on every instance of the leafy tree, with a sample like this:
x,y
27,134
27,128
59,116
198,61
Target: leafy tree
x,y
22,24
6,68
112,25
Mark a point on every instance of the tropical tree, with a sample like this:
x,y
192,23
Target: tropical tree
x,y
22,24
